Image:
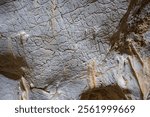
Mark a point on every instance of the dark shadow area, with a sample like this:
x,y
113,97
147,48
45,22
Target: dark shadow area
x,y
2,2
111,92
10,66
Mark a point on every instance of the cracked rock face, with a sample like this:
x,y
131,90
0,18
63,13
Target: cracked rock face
x,y
74,49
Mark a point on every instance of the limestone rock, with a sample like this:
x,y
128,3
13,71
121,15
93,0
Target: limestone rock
x,y
74,49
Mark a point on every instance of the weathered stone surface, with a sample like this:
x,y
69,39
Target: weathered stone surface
x,y
74,49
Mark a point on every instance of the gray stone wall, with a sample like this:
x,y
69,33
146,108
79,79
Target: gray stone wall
x,y
74,49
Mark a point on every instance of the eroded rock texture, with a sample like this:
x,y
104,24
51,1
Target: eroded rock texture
x,y
74,49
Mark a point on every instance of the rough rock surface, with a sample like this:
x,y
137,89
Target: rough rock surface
x,y
74,49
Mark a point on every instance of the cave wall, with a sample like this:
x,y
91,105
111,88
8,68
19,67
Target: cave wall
x,y
74,49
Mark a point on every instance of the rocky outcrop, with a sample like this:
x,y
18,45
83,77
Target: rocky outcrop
x,y
74,49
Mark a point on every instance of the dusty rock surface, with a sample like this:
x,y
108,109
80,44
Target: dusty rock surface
x,y
74,49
